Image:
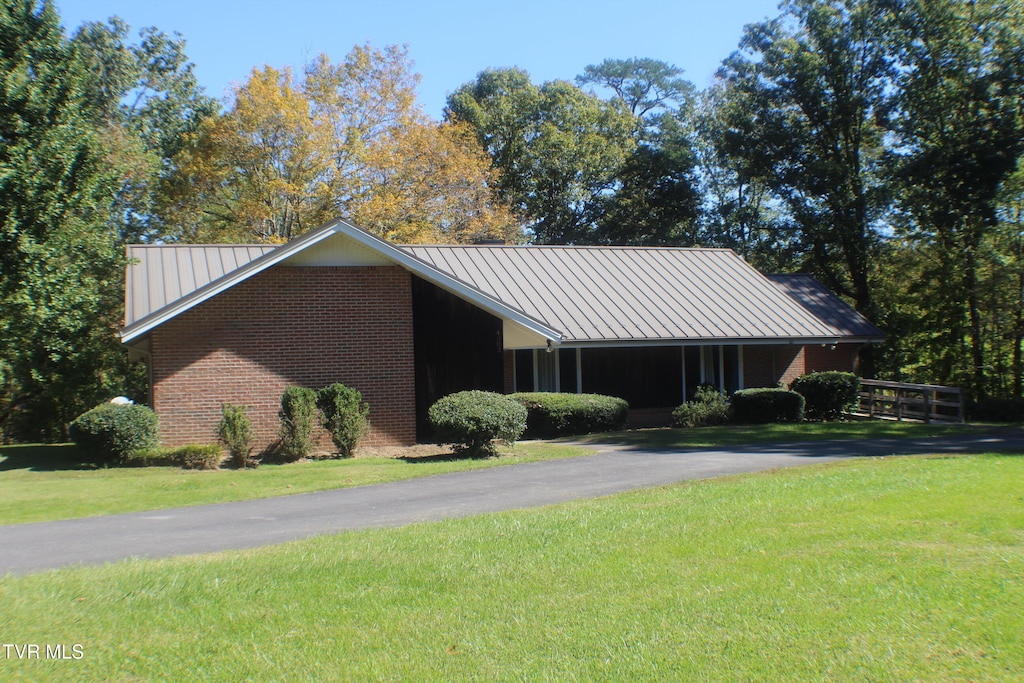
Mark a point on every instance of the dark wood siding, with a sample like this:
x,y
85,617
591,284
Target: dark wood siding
x,y
457,346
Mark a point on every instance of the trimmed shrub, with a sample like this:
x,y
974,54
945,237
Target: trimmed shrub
x,y
235,432
344,416
298,420
112,433
550,414
756,406
472,420
708,408
198,457
828,395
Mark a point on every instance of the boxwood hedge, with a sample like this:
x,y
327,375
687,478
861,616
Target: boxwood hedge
x,y
828,395
552,414
472,420
755,406
112,433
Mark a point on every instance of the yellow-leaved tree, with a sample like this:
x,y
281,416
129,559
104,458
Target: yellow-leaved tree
x,y
346,140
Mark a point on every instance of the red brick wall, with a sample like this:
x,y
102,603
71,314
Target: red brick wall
x,y
842,357
765,366
289,326
509,371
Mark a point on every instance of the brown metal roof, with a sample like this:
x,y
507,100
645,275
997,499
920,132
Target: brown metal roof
x,y
632,294
610,295
824,304
158,275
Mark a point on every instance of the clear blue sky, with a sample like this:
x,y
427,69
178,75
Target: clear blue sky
x,y
450,41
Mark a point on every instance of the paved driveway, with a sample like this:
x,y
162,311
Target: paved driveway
x,y
612,469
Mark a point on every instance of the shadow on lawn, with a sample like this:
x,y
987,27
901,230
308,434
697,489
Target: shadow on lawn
x,y
42,458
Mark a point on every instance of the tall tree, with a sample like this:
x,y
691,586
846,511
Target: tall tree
x,y
147,101
557,148
59,261
656,201
959,117
740,210
814,80
345,139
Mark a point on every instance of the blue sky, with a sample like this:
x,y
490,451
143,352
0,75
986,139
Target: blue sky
x,y
450,41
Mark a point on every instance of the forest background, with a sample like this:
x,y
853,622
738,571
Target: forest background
x,y
875,144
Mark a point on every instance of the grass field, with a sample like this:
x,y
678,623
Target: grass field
x,y
881,569
41,483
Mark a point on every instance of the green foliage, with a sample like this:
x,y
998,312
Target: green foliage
x,y
757,406
235,432
298,420
110,433
344,416
558,149
78,169
708,408
828,395
799,106
551,415
472,420
197,456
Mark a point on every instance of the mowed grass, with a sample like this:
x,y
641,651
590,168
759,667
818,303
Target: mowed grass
x,y
883,569
42,483
736,434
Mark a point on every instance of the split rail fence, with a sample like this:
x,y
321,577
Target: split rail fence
x,y
903,401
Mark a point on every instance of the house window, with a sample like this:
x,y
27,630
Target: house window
x,y
719,366
545,370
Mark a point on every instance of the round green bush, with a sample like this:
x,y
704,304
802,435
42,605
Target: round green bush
x,y
112,433
472,420
551,414
757,406
829,395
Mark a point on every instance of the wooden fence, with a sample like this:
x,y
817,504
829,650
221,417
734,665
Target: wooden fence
x,y
903,401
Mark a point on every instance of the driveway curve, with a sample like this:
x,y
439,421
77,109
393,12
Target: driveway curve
x,y
26,548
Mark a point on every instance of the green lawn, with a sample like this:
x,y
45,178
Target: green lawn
x,y
731,435
881,569
42,483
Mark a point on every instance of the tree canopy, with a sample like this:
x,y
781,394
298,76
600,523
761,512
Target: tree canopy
x,y
876,144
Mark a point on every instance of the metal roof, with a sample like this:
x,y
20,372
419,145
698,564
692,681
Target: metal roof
x,y
576,295
633,294
153,300
828,307
162,274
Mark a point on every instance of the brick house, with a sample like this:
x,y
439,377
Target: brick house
x,y
408,324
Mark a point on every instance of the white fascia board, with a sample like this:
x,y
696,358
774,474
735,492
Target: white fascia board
x,y
214,288
451,284
421,268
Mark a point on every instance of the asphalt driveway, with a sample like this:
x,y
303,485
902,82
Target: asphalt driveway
x,y
34,547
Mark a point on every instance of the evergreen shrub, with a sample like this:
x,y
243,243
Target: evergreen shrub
x,y
472,420
235,432
298,421
344,415
550,414
111,433
708,408
197,456
828,395
757,406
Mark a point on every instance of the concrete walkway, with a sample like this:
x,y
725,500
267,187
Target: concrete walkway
x,y
27,548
